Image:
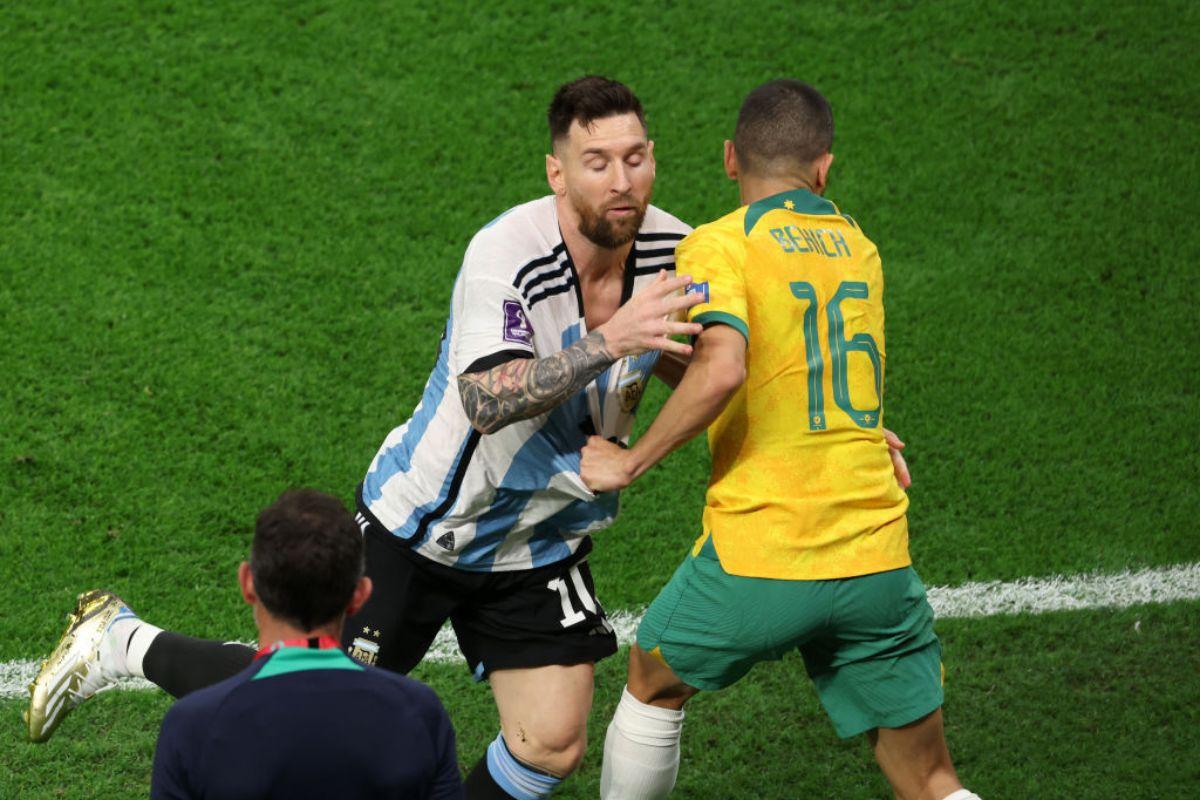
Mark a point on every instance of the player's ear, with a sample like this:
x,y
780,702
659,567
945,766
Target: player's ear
x,y
246,582
362,593
821,172
650,155
554,175
731,165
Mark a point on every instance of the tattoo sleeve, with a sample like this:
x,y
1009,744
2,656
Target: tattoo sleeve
x,y
523,388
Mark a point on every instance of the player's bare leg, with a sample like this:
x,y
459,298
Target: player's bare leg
x,y
543,731
641,747
916,761
543,713
652,682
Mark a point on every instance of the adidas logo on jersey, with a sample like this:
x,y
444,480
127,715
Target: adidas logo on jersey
x,y
446,540
604,628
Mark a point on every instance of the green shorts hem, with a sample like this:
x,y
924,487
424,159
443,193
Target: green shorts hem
x,y
682,672
893,719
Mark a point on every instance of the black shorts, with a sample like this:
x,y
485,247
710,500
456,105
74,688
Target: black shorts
x,y
503,620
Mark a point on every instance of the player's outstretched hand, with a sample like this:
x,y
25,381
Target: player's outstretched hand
x,y
899,465
645,321
603,466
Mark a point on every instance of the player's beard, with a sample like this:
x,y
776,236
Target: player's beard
x,y
611,234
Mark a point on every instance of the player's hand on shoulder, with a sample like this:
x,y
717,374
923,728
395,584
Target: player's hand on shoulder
x,y
603,466
650,318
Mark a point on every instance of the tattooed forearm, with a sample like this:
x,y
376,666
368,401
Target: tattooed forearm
x,y
523,388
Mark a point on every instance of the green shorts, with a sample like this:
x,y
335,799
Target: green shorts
x,y
867,642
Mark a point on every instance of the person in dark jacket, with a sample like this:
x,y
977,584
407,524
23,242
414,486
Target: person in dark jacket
x,y
304,719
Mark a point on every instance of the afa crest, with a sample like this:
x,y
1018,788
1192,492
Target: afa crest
x,y
630,390
364,651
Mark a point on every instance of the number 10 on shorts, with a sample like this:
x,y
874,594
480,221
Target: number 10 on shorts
x,y
571,615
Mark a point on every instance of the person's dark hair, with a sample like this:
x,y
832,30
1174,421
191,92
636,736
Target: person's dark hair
x,y
783,124
588,99
306,558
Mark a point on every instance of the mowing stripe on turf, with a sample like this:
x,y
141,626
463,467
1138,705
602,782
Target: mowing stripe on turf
x,y
986,599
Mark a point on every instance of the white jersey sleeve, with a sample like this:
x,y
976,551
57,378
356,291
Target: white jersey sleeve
x,y
495,319
498,324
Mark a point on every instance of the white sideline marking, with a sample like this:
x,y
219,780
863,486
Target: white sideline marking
x,y
1069,593
986,599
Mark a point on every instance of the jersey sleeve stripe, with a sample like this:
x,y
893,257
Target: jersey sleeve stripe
x,y
540,261
544,277
724,318
660,237
550,292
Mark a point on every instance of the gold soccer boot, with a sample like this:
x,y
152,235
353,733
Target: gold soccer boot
x,y
74,671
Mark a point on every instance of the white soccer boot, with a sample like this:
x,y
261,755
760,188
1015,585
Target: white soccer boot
x,y
79,667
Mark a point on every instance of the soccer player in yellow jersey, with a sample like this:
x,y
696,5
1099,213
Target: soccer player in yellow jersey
x,y
804,543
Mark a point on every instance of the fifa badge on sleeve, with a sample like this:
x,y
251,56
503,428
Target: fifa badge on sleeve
x,y
516,325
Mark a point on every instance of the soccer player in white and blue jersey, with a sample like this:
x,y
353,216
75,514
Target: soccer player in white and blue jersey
x,y
473,511
499,490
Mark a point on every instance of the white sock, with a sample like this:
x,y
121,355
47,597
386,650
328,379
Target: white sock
x,y
962,794
125,644
641,751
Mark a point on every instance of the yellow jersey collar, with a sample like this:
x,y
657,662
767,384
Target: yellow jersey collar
x,y
801,201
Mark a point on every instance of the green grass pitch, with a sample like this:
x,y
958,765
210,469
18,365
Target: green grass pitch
x,y
228,234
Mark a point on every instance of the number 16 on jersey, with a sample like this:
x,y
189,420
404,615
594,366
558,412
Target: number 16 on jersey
x,y
839,349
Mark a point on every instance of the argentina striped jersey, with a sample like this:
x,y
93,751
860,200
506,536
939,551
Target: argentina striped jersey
x,y
512,499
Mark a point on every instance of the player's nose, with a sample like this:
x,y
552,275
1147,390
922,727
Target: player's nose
x,y
622,181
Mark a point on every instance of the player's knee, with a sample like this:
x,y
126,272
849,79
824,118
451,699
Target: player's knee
x,y
566,757
553,749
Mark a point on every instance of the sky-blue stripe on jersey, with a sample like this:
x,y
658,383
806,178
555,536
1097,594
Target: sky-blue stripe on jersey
x,y
411,524
548,545
554,448
398,458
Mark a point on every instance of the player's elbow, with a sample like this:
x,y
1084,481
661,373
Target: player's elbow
x,y
482,422
725,378
481,408
484,429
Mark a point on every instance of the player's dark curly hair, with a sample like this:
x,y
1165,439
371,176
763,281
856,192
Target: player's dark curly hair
x,y
306,558
587,99
782,124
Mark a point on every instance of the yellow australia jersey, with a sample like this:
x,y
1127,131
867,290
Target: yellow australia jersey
x,y
802,486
